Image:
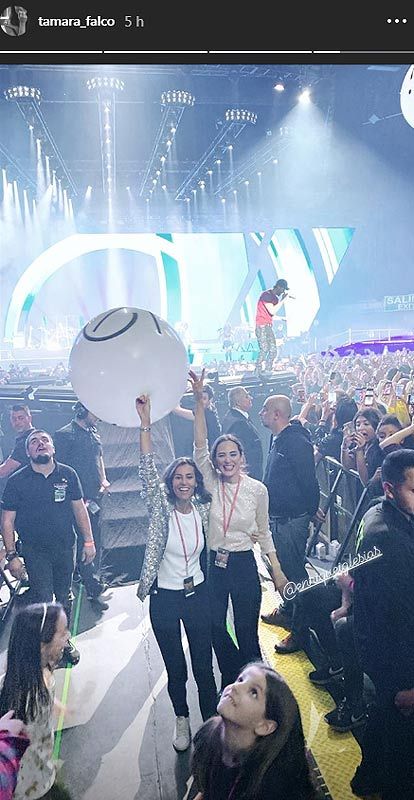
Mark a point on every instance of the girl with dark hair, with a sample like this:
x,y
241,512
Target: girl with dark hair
x,y
173,574
238,518
255,749
38,636
359,449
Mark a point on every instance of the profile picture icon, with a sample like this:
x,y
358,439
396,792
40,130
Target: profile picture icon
x,y
13,20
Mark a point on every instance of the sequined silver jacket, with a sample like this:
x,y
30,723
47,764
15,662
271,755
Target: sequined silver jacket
x,y
159,510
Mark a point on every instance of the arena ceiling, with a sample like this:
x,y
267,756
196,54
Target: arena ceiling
x,y
360,98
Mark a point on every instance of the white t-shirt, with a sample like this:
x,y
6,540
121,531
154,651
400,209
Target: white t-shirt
x,y
173,568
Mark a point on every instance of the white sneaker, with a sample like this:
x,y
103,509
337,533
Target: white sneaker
x,y
182,734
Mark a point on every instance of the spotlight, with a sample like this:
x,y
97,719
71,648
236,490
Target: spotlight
x,y
279,87
164,188
209,172
230,147
23,93
175,97
105,83
218,161
240,115
305,96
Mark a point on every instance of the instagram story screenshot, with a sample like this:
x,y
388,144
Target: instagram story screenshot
x,y
206,402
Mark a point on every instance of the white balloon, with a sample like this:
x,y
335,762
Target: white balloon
x,y
123,353
407,96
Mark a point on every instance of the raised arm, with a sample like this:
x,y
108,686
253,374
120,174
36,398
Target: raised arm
x,y
153,492
398,437
200,425
185,413
143,407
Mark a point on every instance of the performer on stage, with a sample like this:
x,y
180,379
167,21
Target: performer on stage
x,y
268,304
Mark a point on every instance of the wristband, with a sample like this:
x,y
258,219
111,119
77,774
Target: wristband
x,y
12,555
89,544
147,428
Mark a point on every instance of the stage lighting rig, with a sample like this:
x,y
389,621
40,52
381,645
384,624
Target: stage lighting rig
x,y
28,100
235,121
269,151
173,104
106,88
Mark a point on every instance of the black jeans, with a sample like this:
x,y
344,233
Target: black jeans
x,y
90,572
50,573
240,581
290,537
167,609
353,674
317,604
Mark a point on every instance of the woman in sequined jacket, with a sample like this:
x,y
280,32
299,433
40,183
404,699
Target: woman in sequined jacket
x,y
174,575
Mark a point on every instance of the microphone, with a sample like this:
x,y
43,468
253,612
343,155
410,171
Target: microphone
x,y
291,297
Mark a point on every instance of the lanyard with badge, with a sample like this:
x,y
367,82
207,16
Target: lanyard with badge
x,y
60,488
188,580
222,555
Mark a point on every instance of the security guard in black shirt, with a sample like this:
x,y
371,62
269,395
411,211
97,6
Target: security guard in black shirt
x,y
79,445
21,422
42,502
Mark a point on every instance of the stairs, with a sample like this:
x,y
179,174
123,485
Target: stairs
x,y
124,519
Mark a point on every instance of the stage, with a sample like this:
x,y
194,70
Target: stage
x,y
377,346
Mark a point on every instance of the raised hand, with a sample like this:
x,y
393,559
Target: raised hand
x,y
143,407
13,726
197,383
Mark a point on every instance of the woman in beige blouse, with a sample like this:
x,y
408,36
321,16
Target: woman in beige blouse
x,y
238,518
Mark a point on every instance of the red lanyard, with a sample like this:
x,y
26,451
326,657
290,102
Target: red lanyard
x,y
226,524
186,557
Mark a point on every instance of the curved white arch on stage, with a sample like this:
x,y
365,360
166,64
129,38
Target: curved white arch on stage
x,y
64,251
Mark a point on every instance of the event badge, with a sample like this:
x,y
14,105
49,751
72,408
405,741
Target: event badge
x,y
189,586
222,557
60,492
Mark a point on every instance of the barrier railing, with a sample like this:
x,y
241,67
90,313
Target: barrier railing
x,y
343,502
